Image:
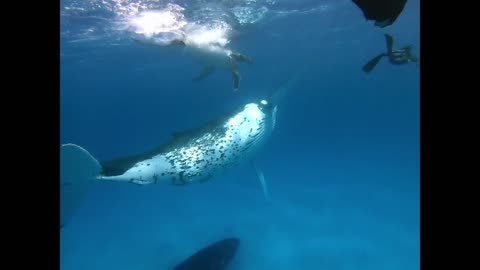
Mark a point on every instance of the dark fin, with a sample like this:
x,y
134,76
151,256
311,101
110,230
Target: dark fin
x,y
383,12
389,41
241,58
216,256
236,79
203,74
372,63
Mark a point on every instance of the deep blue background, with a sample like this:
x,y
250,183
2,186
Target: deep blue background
x,y
342,165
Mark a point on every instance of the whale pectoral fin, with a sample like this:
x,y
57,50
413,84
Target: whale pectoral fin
x,y
261,178
204,73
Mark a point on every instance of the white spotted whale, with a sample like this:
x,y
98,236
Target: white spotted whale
x,y
193,156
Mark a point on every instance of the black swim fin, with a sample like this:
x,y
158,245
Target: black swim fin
x,y
383,12
216,256
389,42
372,63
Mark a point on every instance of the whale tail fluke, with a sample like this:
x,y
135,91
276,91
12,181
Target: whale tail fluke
x,y
78,171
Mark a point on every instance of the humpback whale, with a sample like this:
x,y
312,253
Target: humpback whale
x,y
194,156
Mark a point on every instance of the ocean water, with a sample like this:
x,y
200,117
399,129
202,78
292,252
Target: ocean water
x,y
342,165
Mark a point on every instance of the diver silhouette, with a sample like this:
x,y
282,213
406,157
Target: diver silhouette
x,y
396,57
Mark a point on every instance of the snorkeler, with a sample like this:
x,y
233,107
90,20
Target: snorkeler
x,y
396,57
211,54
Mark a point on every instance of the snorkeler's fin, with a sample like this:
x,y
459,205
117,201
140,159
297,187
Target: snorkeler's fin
x,y
78,171
261,178
389,42
204,73
372,63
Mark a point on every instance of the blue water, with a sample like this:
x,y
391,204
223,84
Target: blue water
x,y
342,165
